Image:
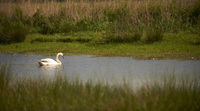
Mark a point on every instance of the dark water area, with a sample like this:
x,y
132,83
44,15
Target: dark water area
x,y
107,69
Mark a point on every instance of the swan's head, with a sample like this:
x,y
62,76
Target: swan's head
x,y
60,54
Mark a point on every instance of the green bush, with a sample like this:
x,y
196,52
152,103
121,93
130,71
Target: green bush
x,y
151,35
54,24
38,19
48,28
118,14
83,24
121,32
12,32
194,13
67,26
18,15
90,25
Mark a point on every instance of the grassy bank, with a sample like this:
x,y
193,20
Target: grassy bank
x,y
173,46
173,93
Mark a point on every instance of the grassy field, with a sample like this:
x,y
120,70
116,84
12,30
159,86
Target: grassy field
x,y
173,46
173,93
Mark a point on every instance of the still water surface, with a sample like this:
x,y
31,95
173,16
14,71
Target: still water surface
x,y
107,69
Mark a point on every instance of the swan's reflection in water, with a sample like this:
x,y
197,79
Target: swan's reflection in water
x,y
51,72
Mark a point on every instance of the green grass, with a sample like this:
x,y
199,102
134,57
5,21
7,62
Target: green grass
x,y
173,46
174,93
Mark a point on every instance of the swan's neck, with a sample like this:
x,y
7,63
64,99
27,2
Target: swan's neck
x,y
58,59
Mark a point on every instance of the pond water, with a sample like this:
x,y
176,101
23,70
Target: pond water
x,y
108,69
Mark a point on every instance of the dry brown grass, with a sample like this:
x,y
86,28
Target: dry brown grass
x,y
75,10
84,8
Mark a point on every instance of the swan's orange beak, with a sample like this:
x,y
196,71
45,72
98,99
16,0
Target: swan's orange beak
x,y
63,57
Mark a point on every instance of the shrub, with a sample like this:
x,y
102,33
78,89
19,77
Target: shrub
x,y
12,32
151,35
50,25
38,19
121,32
194,13
83,24
117,14
67,26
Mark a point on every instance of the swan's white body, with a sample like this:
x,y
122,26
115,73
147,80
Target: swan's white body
x,y
49,61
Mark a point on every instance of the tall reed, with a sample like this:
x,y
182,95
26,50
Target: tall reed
x,y
76,10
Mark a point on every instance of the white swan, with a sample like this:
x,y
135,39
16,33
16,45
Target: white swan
x,y
49,61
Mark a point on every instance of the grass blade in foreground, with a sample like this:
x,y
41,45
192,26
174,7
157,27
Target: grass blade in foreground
x,y
173,93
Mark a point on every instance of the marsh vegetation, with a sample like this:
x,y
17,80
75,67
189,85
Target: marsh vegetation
x,y
117,20
170,92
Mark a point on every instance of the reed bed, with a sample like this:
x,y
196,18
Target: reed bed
x,y
119,20
79,9
171,93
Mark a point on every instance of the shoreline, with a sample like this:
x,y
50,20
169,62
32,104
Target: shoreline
x,y
137,57
173,46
